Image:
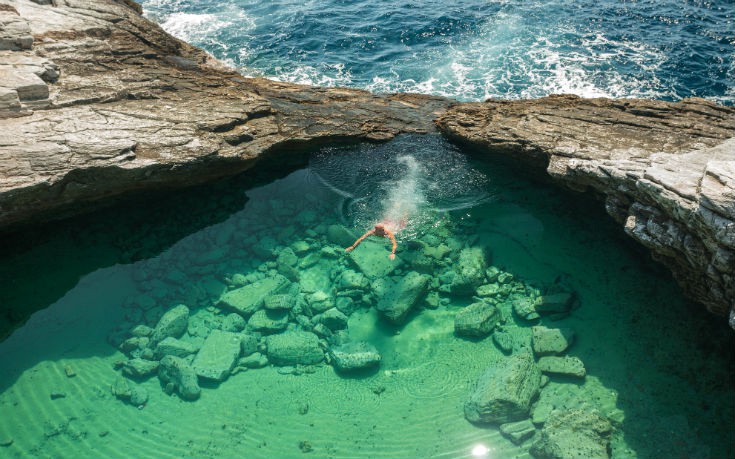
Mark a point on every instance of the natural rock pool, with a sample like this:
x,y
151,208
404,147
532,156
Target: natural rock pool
x,y
517,320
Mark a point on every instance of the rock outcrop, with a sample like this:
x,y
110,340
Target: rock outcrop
x,y
97,102
666,171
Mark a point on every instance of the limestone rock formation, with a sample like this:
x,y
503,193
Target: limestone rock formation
x,y
666,171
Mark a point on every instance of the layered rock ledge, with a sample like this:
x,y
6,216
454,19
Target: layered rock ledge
x,y
97,102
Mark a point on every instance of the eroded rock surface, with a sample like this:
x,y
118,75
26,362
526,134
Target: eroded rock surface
x,y
666,170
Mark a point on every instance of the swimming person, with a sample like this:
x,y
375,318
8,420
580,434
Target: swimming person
x,y
380,230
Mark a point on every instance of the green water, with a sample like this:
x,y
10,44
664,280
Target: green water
x,y
657,367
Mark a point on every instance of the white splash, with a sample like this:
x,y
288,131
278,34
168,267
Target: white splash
x,y
404,196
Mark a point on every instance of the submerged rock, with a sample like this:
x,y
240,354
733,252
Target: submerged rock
x,y
218,355
233,323
139,368
248,344
555,303
470,271
282,301
295,347
254,360
573,434
174,372
175,347
354,356
333,319
401,294
248,299
174,323
371,259
504,392
268,321
525,308
476,320
518,432
339,235
549,341
565,366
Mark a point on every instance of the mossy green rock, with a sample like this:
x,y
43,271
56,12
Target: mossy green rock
x,y
218,355
181,375
401,294
503,393
476,320
296,347
339,235
371,259
248,299
518,432
139,368
573,434
470,271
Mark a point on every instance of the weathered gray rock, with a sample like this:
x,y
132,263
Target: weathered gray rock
x,y
476,320
254,360
525,308
141,331
138,396
181,377
354,356
400,294
218,355
268,321
248,299
504,392
293,348
573,434
139,368
665,169
518,432
549,341
174,323
565,366
175,347
15,34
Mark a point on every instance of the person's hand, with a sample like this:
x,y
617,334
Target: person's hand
x,y
349,249
392,256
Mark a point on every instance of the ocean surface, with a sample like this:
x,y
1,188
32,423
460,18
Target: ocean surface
x,y
473,49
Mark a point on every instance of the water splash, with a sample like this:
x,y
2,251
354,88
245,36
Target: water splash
x,y
384,183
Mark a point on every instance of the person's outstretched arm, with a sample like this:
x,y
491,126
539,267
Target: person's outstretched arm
x,y
392,255
359,240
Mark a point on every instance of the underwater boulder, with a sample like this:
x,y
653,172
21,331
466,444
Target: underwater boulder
x,y
572,434
354,356
525,308
179,376
175,347
476,320
281,301
549,341
218,355
174,323
372,260
504,392
555,303
470,271
294,347
268,321
248,344
339,235
518,432
564,366
399,295
139,368
233,323
333,319
248,299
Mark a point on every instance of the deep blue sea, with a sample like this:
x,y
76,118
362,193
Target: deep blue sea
x,y
473,49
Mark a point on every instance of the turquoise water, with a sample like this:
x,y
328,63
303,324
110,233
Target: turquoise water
x,y
471,49
658,367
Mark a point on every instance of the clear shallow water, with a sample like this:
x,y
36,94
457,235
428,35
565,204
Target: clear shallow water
x,y
471,49
658,366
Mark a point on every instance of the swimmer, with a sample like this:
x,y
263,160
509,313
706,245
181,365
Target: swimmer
x,y
380,230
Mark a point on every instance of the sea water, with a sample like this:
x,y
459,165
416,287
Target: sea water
x,y
658,367
473,49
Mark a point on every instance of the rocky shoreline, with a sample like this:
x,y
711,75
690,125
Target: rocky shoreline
x,y
97,102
